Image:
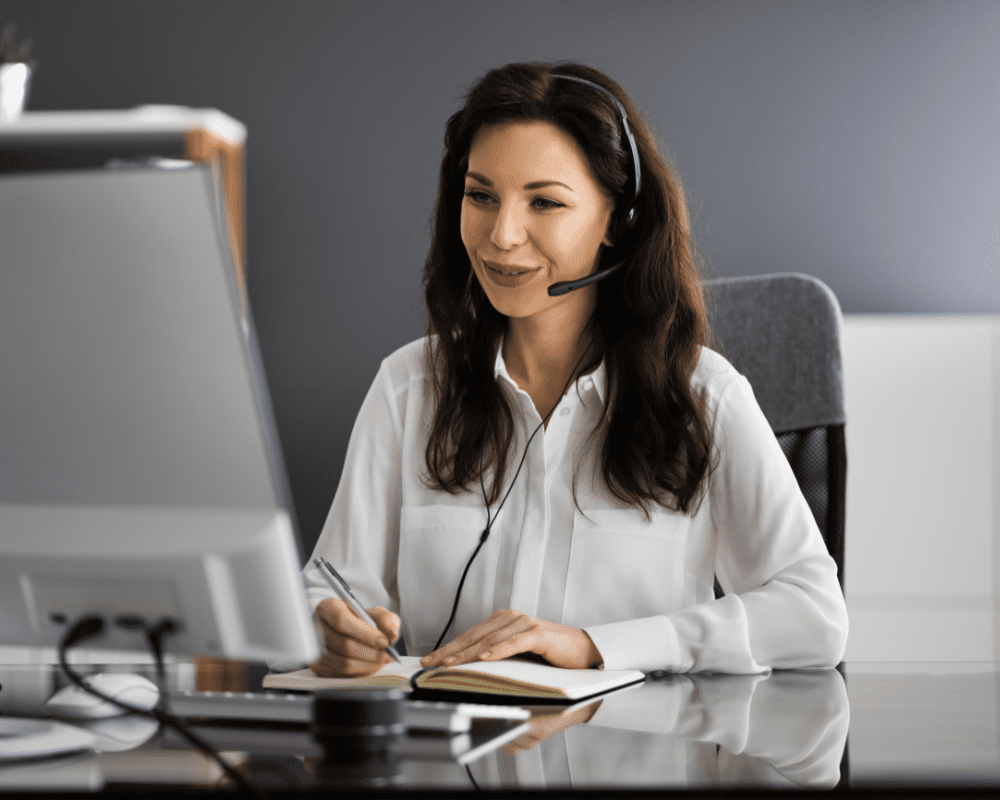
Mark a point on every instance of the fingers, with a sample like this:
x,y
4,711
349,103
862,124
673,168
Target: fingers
x,y
353,647
388,623
497,620
507,632
336,665
338,617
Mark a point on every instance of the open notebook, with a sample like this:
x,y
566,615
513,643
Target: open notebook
x,y
512,677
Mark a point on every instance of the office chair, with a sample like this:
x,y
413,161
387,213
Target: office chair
x,y
782,332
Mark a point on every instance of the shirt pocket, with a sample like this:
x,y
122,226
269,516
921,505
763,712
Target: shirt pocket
x,y
622,567
435,544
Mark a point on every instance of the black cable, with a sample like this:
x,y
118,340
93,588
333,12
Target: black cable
x,y
469,772
461,583
489,523
155,636
491,519
89,626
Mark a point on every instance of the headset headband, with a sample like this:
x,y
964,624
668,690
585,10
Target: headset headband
x,y
625,127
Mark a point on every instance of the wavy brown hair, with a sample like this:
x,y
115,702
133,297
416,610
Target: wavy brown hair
x,y
648,325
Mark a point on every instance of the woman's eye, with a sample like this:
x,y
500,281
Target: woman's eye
x,y
544,203
477,196
539,203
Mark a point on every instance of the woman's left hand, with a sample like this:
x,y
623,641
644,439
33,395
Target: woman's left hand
x,y
507,633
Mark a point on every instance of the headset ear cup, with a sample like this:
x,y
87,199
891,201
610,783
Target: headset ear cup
x,y
619,227
618,233
624,228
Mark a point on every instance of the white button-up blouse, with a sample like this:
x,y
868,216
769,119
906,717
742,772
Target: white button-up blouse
x,y
642,589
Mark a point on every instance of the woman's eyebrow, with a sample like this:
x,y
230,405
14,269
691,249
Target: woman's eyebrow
x,y
533,185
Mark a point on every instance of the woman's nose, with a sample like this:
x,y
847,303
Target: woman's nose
x,y
508,227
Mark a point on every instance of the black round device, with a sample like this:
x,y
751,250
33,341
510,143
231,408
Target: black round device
x,y
358,721
360,731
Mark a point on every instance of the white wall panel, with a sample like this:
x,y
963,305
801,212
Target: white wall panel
x,y
922,459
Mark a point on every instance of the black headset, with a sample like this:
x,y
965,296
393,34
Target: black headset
x,y
629,216
629,213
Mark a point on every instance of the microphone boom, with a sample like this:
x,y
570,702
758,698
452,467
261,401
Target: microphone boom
x,y
565,287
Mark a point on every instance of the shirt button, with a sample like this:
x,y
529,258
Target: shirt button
x,y
588,385
564,412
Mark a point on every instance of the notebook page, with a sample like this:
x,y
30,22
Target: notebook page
x,y
573,683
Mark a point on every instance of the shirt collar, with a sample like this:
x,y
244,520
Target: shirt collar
x,y
595,381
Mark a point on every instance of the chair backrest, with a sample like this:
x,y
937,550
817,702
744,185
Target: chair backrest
x,y
782,332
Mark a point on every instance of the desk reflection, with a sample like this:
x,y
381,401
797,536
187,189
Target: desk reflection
x,y
786,729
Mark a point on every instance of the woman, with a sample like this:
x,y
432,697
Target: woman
x,y
564,474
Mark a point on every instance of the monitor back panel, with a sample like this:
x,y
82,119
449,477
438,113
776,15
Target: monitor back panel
x,y
125,374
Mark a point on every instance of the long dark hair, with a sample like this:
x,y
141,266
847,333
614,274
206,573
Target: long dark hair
x,y
648,325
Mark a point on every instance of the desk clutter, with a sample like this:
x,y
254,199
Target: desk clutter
x,y
357,737
922,731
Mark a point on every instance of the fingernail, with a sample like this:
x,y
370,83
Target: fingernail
x,y
485,655
450,660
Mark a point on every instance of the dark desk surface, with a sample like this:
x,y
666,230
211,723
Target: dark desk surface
x,y
934,726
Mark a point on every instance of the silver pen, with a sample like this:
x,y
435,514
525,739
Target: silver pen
x,y
343,591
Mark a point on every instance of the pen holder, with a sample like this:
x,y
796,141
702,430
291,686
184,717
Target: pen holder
x,y
360,731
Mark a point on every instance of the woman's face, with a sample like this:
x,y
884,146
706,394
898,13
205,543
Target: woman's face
x,y
533,214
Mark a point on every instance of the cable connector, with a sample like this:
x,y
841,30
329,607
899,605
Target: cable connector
x,y
84,628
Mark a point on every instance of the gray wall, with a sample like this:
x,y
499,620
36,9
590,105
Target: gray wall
x,y
856,141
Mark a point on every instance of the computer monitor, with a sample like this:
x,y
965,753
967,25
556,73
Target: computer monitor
x,y
140,471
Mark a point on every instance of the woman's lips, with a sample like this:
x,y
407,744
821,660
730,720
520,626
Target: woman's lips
x,y
510,277
503,269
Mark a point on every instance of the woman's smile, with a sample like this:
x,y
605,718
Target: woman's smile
x,y
503,269
509,277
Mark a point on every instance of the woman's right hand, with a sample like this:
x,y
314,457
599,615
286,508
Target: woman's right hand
x,y
353,647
